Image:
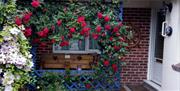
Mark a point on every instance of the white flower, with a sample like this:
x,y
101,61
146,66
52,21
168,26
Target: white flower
x,y
18,77
15,31
30,56
1,70
8,88
10,55
8,78
7,38
31,64
22,36
21,27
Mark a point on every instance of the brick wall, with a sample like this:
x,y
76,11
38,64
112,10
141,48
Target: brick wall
x,y
135,70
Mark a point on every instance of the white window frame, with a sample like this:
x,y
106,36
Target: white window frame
x,y
86,51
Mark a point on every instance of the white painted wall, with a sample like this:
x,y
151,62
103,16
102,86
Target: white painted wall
x,y
171,78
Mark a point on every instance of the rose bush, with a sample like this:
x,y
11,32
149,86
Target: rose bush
x,y
60,24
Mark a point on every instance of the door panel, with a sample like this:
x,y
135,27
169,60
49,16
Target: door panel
x,y
157,71
157,62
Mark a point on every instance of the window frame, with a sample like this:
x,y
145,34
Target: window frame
x,y
86,51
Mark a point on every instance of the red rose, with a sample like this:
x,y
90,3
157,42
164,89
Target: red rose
x,y
122,39
18,21
35,3
111,38
36,40
46,30
116,48
52,27
120,24
83,24
43,33
42,44
40,34
115,68
64,43
72,30
81,19
103,34
100,15
28,32
106,18
116,29
107,27
82,32
70,35
117,34
85,31
95,36
62,37
98,28
88,85
53,41
59,22
106,63
26,17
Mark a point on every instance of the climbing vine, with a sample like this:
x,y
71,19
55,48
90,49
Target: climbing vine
x,y
61,23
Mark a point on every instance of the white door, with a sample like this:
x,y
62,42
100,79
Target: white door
x,y
157,55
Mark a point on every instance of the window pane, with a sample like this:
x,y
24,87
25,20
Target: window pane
x,y
159,42
75,45
93,44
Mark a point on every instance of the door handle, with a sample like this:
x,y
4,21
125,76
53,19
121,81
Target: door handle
x,y
163,31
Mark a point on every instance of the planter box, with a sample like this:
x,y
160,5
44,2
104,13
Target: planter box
x,y
73,61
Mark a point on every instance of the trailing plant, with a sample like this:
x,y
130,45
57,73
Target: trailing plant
x,y
15,58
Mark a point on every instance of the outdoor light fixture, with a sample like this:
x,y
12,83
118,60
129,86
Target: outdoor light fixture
x,y
167,7
166,30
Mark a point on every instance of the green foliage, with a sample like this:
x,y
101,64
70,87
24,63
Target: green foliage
x,y
113,41
50,82
48,14
21,75
7,11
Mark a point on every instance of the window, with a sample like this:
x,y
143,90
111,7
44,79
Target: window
x,y
159,41
86,46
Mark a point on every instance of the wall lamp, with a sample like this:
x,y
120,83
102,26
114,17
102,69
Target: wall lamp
x,y
167,7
